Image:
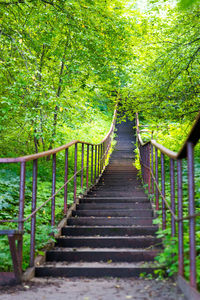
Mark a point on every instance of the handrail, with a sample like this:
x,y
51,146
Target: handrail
x,y
193,137
55,150
96,160
150,162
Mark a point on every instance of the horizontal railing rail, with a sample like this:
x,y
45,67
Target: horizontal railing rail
x,y
153,165
96,159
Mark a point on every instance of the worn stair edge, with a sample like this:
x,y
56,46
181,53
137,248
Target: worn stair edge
x,y
113,213
99,255
109,230
113,206
104,242
115,221
97,272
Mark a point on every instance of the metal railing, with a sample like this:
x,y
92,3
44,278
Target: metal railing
x,y
96,159
153,158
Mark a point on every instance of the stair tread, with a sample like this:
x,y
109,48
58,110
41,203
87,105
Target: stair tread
x,y
127,227
89,249
109,264
109,237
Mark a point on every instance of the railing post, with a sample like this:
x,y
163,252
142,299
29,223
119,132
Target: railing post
x,y
180,216
33,218
152,169
172,185
66,179
75,171
163,191
156,165
98,161
53,190
87,167
190,159
100,158
92,149
145,162
142,160
21,210
82,166
95,166
148,170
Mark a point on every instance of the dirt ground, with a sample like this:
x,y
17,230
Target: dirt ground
x,y
92,289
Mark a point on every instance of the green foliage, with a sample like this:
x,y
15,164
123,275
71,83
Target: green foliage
x,y
60,63
164,79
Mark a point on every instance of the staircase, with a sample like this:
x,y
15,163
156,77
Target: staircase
x,y
111,232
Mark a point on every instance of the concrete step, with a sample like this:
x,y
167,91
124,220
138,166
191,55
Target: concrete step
x,y
109,230
102,221
106,199
113,206
97,270
108,242
100,255
114,213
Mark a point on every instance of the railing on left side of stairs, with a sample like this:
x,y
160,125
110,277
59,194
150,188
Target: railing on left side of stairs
x,y
93,157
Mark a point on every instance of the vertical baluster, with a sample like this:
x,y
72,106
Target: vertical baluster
x,y
82,166
92,150
172,185
144,161
163,191
75,171
140,158
103,155
53,190
95,166
152,169
21,210
190,159
148,170
65,180
180,215
157,180
87,167
33,218
98,160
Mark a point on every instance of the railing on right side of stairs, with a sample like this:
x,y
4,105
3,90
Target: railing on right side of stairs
x,y
152,159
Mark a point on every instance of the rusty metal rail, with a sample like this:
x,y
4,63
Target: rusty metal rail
x,y
96,159
150,167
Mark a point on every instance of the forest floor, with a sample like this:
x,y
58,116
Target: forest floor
x,y
92,289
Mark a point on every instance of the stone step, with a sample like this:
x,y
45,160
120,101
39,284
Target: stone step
x,y
97,270
108,242
102,221
115,194
114,213
109,230
99,255
93,199
113,206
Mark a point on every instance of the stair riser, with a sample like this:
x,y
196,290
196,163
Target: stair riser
x,y
107,243
111,213
92,272
107,221
115,194
91,256
112,200
103,231
113,206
